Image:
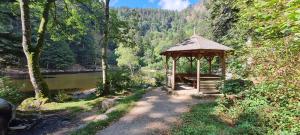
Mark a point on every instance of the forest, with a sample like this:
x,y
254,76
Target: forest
x,y
259,95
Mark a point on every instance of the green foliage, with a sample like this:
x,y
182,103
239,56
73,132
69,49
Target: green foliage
x,y
99,88
119,80
127,56
58,55
263,110
265,35
159,78
223,14
234,86
62,96
10,91
201,120
141,78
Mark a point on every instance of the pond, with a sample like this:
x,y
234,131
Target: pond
x,y
68,81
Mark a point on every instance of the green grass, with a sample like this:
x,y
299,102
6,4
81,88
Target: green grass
x,y
122,107
201,120
73,106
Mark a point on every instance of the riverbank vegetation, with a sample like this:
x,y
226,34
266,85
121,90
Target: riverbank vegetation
x,y
265,35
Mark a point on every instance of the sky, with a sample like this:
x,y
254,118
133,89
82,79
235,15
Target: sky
x,y
163,4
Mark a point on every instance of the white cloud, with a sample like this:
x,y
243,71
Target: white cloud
x,y
173,4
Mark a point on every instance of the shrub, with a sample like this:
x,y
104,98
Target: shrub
x,y
99,88
234,86
268,108
62,96
159,78
119,80
144,78
10,91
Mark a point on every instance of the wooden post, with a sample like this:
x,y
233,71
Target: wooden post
x,y
167,68
223,65
173,72
191,64
198,73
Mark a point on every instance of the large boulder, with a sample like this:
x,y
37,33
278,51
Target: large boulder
x,y
6,115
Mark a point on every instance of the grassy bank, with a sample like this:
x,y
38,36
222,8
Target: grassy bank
x,y
122,107
201,120
73,106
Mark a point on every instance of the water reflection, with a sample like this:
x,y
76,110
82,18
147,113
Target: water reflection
x,y
79,81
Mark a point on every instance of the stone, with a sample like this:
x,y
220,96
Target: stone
x,y
81,126
101,117
32,104
65,122
83,94
110,110
108,103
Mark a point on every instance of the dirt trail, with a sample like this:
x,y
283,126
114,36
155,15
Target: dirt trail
x,y
153,114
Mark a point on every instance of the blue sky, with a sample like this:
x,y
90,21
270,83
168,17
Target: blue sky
x,y
164,4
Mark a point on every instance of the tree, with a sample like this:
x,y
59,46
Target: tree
x,y
57,55
32,52
127,56
223,15
105,81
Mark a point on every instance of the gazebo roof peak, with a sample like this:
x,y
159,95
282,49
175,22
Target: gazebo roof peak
x,y
197,42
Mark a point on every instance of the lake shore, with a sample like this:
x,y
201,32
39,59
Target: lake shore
x,y
23,73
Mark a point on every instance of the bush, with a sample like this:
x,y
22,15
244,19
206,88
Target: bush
x,y
159,78
62,96
268,108
10,92
234,86
99,88
119,80
143,78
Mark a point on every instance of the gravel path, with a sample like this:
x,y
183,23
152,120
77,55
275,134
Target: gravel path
x,y
152,115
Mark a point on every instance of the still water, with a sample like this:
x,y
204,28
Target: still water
x,y
80,81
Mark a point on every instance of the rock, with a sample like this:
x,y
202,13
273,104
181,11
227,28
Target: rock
x,y
110,110
6,115
32,104
108,103
101,117
81,126
83,94
65,122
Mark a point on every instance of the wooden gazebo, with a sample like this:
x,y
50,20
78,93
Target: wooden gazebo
x,y
195,47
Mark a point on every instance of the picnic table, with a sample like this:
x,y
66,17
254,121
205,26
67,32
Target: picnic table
x,y
194,79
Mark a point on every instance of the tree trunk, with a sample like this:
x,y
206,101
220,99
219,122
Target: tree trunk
x,y
36,78
105,81
33,53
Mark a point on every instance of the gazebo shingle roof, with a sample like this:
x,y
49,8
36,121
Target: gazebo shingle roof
x,y
197,43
